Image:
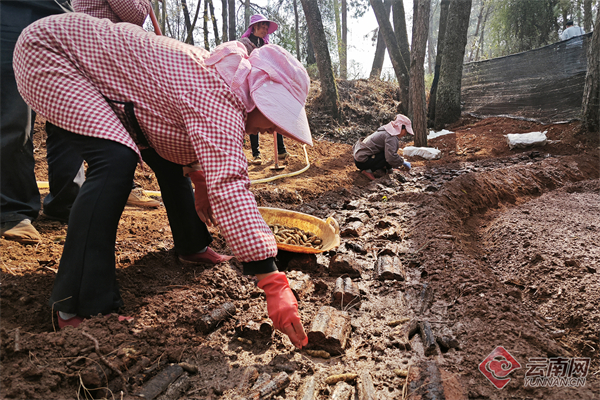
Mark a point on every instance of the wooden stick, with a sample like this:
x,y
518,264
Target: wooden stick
x,y
155,22
17,337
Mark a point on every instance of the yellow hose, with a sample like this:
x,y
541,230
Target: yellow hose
x,y
45,185
264,180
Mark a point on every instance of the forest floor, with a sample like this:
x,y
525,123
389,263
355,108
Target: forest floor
x,y
492,247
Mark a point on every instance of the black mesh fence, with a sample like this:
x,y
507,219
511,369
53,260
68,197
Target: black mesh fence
x,y
544,84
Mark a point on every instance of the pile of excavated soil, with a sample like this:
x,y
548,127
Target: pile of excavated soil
x,y
493,247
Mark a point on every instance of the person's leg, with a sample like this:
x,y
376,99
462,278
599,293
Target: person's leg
x,y
281,150
254,145
65,175
18,187
20,198
256,157
86,283
373,163
190,234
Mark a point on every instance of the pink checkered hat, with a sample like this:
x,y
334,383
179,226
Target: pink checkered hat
x,y
279,85
394,128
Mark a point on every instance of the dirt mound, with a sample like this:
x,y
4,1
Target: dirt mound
x,y
493,247
364,104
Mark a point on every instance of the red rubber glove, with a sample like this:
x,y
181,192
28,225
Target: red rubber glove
x,y
283,307
201,197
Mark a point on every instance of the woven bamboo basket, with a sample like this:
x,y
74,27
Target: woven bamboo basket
x,y
328,231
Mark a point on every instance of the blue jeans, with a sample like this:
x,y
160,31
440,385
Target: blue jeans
x,y
86,280
20,197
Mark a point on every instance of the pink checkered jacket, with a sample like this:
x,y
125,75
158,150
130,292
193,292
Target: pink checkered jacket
x,y
73,69
132,11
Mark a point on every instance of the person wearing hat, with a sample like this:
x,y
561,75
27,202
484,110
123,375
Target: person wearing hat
x,y
120,93
255,37
134,12
571,31
380,149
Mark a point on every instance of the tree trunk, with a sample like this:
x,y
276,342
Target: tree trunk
x,y
329,93
338,34
378,58
214,22
588,17
455,40
247,13
297,33
481,39
444,5
232,33
224,16
380,47
188,23
310,52
163,15
590,109
399,19
475,44
191,32
431,41
205,26
344,52
417,71
400,68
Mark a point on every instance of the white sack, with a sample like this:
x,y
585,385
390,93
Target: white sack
x,y
521,140
433,135
426,152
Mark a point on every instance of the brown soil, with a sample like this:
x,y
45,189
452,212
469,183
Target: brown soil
x,y
500,248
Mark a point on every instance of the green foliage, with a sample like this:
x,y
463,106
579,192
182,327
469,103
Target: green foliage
x,y
521,25
282,12
313,71
358,8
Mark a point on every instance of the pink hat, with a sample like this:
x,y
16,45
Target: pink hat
x,y
279,85
256,18
394,128
231,61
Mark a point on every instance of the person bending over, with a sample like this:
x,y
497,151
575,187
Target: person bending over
x,y
188,108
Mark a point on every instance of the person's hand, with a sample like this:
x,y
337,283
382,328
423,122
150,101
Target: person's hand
x,y
201,198
283,307
406,165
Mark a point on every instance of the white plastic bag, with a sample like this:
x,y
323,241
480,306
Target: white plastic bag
x,y
521,140
433,134
428,153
